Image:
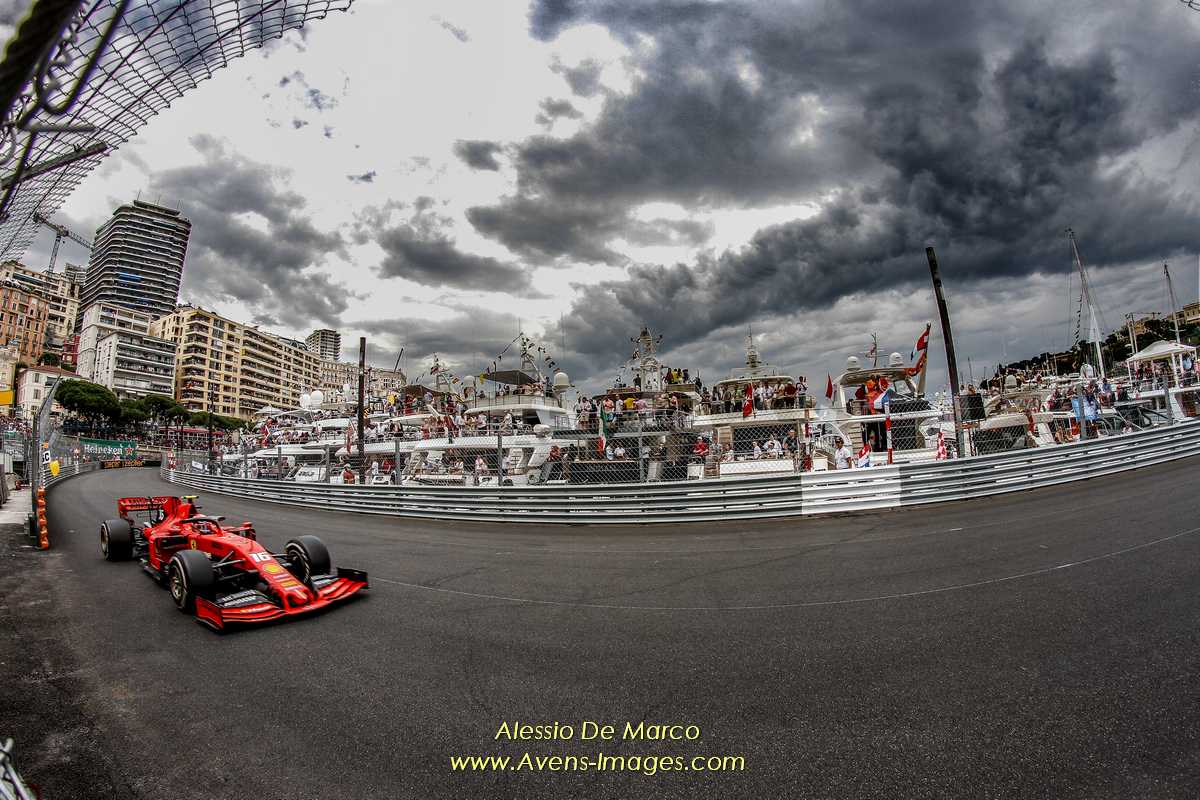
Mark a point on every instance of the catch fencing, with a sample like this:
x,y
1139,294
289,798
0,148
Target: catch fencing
x,y
868,489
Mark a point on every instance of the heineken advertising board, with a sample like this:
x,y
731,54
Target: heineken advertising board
x,y
108,449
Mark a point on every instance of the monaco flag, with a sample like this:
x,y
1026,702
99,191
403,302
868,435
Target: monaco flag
x,y
748,403
829,386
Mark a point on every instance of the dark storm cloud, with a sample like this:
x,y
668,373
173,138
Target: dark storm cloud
x,y
421,249
552,109
478,154
366,177
543,231
467,341
1014,121
299,123
583,78
230,258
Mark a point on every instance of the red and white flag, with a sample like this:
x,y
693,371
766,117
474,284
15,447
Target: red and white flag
x,y
748,403
864,455
942,455
922,342
829,386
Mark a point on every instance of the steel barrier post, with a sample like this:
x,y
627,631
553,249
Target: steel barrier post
x,y
499,457
1167,396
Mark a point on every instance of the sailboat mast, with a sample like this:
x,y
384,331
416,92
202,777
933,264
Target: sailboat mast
x,y
1174,305
1094,326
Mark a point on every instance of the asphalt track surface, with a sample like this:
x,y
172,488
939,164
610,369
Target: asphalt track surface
x,y
1045,644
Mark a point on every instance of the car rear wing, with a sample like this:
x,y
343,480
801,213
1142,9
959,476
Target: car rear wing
x,y
127,506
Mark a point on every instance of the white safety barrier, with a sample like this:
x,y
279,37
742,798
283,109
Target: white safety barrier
x,y
749,498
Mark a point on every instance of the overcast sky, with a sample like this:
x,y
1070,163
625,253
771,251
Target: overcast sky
x,y
437,175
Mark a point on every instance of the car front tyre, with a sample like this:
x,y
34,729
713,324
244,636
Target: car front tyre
x,y
189,575
307,556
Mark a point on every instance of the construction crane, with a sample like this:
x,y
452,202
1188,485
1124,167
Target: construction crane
x,y
60,233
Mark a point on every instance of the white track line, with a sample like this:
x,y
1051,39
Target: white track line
x,y
807,604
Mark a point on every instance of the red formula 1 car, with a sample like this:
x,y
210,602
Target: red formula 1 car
x,y
222,574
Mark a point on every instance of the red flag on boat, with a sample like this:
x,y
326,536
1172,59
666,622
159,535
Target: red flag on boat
x,y
922,342
829,386
748,403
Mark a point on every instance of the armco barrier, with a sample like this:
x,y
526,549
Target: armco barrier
x,y
748,498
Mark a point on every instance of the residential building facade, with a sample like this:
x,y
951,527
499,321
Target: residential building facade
x,y
135,364
335,375
326,343
234,369
23,319
98,321
60,290
34,385
1190,314
137,259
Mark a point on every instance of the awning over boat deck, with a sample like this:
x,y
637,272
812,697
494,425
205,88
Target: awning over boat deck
x,y
513,377
1161,350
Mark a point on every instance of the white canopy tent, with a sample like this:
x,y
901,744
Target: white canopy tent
x,y
1174,352
1162,350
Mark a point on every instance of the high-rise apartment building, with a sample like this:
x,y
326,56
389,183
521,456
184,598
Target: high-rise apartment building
x,y
135,364
326,343
99,320
234,368
137,259
60,290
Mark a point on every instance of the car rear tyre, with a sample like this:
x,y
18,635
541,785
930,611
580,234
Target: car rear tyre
x,y
307,556
189,575
116,540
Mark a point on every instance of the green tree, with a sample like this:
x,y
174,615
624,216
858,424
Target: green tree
x,y
133,414
95,403
50,359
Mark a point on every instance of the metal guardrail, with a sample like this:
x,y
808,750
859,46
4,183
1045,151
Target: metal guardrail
x,y
743,498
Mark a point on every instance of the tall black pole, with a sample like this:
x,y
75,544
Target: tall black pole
x,y
951,362
209,405
362,387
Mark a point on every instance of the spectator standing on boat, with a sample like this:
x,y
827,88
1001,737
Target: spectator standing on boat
x,y
374,470
348,474
700,449
842,457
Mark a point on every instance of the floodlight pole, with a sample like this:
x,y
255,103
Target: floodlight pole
x,y
362,387
948,337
